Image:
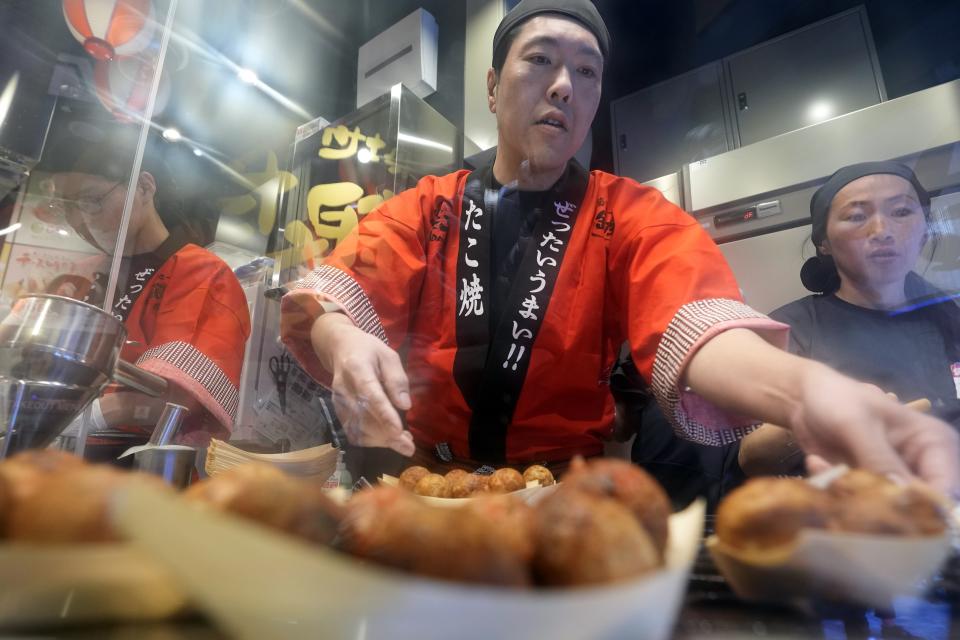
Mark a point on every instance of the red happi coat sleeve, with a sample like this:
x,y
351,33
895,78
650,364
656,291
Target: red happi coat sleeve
x,y
383,260
673,291
192,324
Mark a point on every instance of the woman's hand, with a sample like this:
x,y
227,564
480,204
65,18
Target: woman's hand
x,y
369,383
841,420
769,451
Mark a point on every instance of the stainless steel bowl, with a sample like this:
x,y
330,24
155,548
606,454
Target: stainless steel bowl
x,y
56,355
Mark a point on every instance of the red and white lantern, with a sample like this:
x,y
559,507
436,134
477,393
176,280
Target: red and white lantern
x,y
123,86
110,28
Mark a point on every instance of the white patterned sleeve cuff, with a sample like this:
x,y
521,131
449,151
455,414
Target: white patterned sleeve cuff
x,y
694,324
314,295
189,368
333,285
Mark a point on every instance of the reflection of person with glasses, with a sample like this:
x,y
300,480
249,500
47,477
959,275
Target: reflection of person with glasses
x,y
184,311
82,210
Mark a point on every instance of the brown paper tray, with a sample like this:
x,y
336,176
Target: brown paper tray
x,y
52,586
867,570
256,583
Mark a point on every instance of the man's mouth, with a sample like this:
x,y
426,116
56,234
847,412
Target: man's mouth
x,y
552,123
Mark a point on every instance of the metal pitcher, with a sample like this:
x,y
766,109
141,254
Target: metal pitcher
x,y
57,355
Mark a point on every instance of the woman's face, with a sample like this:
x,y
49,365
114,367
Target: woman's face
x,y
875,230
97,203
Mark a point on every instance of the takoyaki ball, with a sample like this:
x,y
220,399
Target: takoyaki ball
x,y
487,544
870,503
853,482
433,485
538,473
765,513
411,476
72,506
464,486
506,480
266,495
453,475
25,471
583,538
507,521
483,483
630,485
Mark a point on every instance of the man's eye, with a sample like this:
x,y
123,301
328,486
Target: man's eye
x,y
587,72
903,212
855,217
539,59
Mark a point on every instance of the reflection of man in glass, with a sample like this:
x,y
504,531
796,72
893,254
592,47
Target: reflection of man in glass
x,y
494,341
184,311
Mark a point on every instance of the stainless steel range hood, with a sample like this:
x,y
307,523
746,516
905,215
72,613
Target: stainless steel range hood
x,y
767,185
755,201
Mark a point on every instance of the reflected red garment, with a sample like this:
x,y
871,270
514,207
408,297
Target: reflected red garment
x,y
190,325
636,268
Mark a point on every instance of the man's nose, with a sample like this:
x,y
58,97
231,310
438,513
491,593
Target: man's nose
x,y
562,86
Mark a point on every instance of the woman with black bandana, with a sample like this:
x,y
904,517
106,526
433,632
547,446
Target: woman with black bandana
x,y
872,317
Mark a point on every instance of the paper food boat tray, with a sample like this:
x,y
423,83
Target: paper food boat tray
x,y
867,570
316,462
255,583
55,586
533,493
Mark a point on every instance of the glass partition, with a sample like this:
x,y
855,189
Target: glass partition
x,y
344,170
71,86
160,133
200,206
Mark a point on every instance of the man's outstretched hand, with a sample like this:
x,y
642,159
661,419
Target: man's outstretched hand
x,y
369,386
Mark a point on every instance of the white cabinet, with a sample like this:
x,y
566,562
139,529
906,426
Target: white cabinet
x,y
815,73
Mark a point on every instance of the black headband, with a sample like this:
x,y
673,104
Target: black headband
x,y
582,11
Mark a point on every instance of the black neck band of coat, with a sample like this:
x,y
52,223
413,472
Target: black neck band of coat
x,y
490,370
137,271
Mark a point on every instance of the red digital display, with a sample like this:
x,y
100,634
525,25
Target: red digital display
x,y
734,217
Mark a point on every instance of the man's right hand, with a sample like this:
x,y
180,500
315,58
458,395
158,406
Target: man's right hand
x,y
369,383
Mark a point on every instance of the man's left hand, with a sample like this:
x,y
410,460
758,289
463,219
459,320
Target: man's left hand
x,y
841,420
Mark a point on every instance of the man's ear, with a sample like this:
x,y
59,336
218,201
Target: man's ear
x,y
147,184
825,247
492,90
